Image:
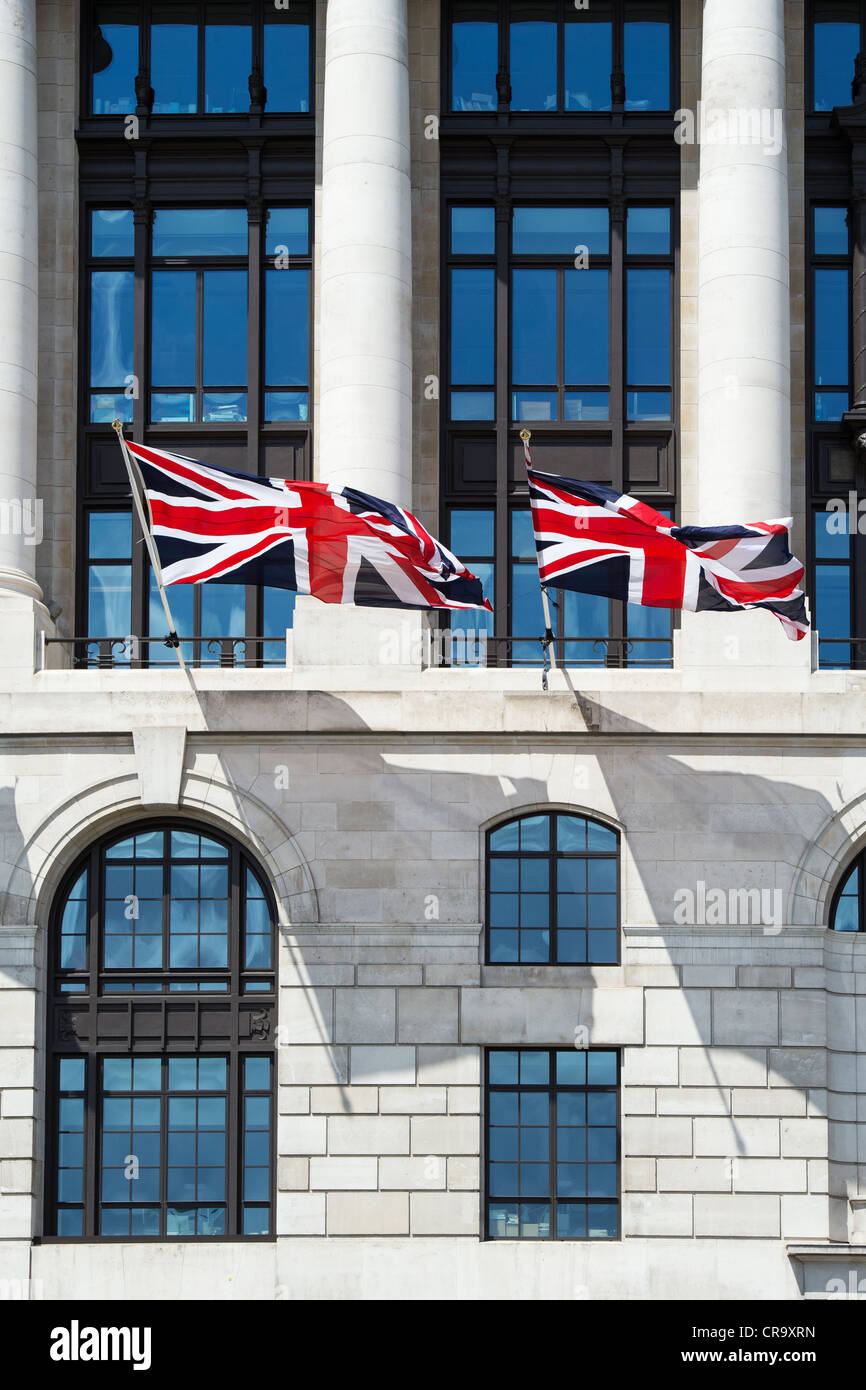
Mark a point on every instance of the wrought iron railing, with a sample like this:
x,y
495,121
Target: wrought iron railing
x,y
842,653
113,653
466,649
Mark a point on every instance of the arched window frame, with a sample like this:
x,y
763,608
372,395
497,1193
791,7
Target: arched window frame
x,y
856,865
169,1022
552,856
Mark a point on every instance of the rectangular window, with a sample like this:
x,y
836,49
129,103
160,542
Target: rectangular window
x,y
199,56
558,57
835,32
552,1144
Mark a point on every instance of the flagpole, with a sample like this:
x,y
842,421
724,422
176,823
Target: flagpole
x,y
172,640
549,639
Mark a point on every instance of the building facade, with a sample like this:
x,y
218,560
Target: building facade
x,y
356,961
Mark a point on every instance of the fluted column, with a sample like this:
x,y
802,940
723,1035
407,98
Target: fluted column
x,y
18,298
744,432
365,351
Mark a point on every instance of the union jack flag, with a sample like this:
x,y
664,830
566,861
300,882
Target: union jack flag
x,y
597,541
341,546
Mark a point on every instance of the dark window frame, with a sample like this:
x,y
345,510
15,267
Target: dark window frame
x,y
815,119
858,862
552,855
74,1020
552,1089
617,75
250,437
258,9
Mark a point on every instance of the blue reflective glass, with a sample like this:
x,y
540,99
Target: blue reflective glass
x,y
586,405
831,327
223,611
474,63
534,1069
647,64
200,232
109,612
648,405
833,604
279,614
472,320
831,231
224,327
112,232
534,405
588,61
288,232
227,64
72,1074
585,617
832,534
257,1073
830,405
472,405
287,327
559,231
533,65
835,46
601,1069
114,86
287,66
503,1068
570,1068
648,231
534,318
586,326
111,327
174,67
473,231
648,327
174,327
110,537
471,533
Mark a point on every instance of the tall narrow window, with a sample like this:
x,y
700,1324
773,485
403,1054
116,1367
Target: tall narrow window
x,y
160,1041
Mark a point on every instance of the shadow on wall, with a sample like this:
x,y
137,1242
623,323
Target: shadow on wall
x,y
341,794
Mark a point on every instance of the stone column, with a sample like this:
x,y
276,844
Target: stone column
x,y
744,431
365,362
18,300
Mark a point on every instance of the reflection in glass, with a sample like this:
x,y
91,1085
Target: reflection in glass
x,y
588,60
287,66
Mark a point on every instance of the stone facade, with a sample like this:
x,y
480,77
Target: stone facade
x,y
364,786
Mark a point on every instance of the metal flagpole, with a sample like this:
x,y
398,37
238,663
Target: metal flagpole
x,y
172,640
548,639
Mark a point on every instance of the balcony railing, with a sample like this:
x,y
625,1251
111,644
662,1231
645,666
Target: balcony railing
x,y
115,653
468,649
842,653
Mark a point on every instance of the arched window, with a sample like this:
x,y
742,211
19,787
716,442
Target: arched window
x,y
847,913
552,891
160,1040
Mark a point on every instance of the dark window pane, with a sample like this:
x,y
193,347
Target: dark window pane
x,y
472,319
111,327
534,326
115,61
836,41
112,232
286,327
648,231
174,60
174,328
474,57
588,60
831,231
473,231
586,326
560,231
200,232
647,62
648,327
831,327
533,58
830,405
225,327
227,61
287,66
